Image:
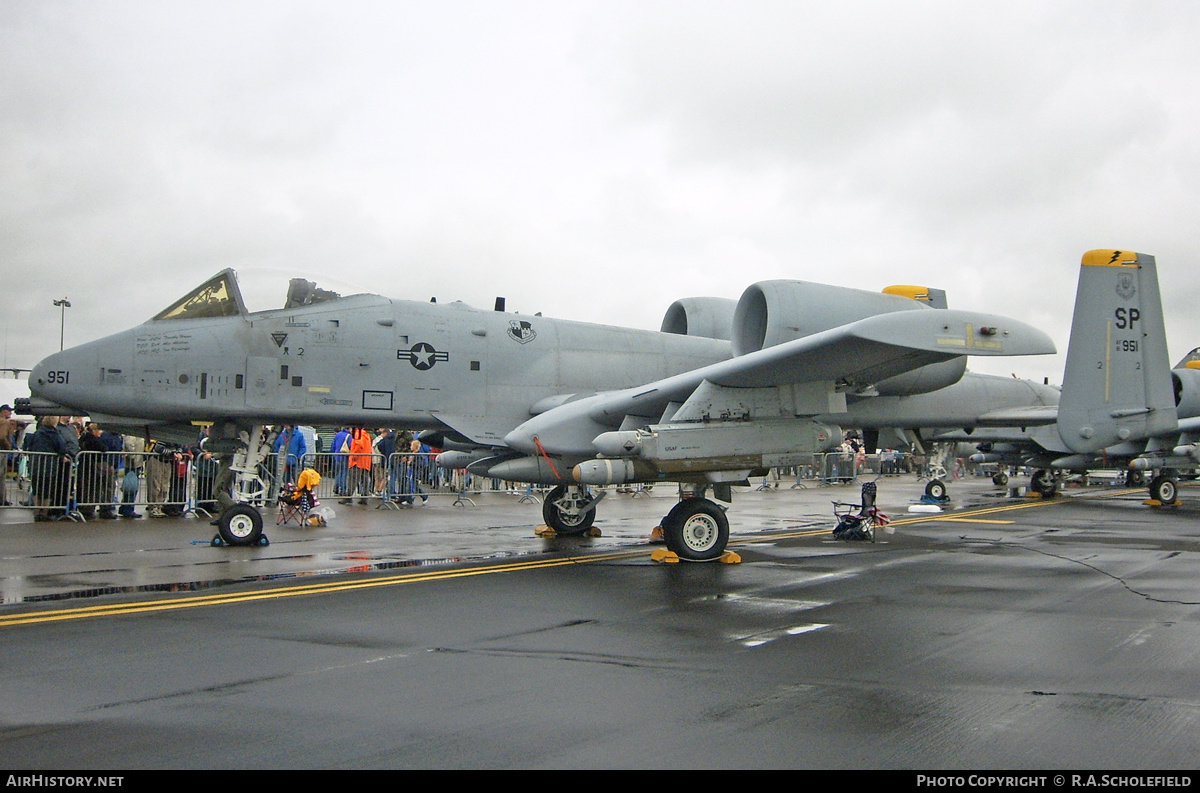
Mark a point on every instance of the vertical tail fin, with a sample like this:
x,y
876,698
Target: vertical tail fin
x,y
1117,383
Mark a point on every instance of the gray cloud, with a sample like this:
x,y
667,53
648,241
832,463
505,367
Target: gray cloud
x,y
591,160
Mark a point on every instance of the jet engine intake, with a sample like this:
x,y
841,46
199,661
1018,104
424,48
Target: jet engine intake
x,y
709,317
772,312
1187,391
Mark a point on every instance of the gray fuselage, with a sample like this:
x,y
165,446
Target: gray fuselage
x,y
361,360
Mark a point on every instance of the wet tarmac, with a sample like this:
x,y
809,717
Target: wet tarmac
x,y
65,559
1004,633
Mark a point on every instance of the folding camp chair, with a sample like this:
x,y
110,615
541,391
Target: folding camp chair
x,y
860,526
297,501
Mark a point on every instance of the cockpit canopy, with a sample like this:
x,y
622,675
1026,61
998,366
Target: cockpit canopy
x,y
217,297
220,297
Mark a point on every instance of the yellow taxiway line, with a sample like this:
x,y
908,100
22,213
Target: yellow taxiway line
x,y
197,601
229,598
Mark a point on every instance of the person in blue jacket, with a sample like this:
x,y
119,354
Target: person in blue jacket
x,y
292,439
341,462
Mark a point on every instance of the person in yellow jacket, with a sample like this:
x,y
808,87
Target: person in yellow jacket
x,y
308,480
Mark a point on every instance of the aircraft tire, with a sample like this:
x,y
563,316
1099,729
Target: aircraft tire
x,y
1164,489
564,522
697,530
1000,479
1135,478
936,489
1043,482
241,524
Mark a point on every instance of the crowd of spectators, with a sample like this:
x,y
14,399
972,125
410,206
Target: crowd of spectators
x,y
81,467
73,467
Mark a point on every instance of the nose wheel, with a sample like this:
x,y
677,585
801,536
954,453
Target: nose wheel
x,y
241,524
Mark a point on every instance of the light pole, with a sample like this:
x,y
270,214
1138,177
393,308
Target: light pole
x,y
63,305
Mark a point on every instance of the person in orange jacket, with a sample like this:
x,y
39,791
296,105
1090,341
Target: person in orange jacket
x,y
360,466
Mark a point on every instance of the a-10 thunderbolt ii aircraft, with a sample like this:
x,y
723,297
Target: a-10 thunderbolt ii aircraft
x,y
1122,406
725,389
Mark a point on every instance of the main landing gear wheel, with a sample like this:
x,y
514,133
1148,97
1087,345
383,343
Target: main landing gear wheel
x,y
1000,479
241,524
696,529
1135,478
1044,482
936,489
565,510
1164,489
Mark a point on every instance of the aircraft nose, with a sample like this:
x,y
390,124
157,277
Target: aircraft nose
x,y
44,391
37,376
55,376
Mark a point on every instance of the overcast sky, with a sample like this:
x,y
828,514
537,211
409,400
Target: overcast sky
x,y
592,160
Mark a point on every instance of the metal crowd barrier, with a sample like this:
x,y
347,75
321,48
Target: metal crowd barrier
x,y
401,478
110,483
154,481
49,486
100,484
845,467
95,481
839,467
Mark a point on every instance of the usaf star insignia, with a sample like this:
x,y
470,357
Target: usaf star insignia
x,y
422,356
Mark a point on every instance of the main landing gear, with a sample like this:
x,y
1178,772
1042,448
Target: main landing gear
x,y
1044,483
1164,488
696,529
570,509
936,489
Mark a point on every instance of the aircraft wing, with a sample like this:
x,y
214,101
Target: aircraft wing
x,y
852,355
1030,416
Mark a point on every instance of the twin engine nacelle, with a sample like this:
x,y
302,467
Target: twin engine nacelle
x,y
773,312
1187,391
709,317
